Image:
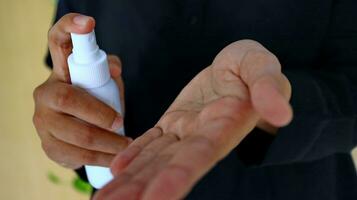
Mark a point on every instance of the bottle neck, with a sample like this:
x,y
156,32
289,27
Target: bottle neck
x,y
90,74
86,58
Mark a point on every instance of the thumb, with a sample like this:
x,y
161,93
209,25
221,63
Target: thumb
x,y
270,98
59,41
269,89
260,70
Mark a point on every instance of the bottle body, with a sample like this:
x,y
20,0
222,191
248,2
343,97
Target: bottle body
x,y
109,94
89,69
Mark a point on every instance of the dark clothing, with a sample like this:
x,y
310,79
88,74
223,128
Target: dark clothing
x,y
164,43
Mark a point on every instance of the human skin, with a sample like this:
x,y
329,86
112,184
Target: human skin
x,y
75,128
243,87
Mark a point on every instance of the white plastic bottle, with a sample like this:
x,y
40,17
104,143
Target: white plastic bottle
x,y
88,67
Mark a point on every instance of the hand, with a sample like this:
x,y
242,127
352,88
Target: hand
x,y
210,117
75,128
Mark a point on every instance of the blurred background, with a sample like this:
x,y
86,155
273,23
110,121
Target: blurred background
x,y
25,171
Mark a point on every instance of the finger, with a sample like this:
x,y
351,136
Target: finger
x,y
250,61
74,157
115,67
270,103
109,188
126,156
129,193
269,89
233,119
59,40
77,102
86,136
194,158
123,159
147,154
140,179
236,119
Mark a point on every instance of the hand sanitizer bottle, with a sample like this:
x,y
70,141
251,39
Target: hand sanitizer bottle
x,y
88,67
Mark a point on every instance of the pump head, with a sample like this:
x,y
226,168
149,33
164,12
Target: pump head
x,y
85,48
88,65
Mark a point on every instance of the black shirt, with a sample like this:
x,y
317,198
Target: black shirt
x,y
164,43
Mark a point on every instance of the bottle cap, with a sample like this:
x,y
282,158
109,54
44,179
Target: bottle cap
x,y
88,65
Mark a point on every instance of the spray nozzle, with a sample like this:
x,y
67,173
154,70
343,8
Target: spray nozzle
x,y
85,48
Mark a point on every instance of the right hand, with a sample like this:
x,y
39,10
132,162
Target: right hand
x,y
75,128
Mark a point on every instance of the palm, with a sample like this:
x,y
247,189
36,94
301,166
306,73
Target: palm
x,y
215,101
211,115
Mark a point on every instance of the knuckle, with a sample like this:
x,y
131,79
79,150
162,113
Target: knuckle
x,y
63,97
47,148
38,93
106,117
261,56
256,54
166,123
87,136
244,44
37,119
53,154
39,124
50,33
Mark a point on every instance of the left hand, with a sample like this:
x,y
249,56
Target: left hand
x,y
210,117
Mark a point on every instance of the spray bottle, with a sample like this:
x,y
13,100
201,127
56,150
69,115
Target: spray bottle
x,y
88,67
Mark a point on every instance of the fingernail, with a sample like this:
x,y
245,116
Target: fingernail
x,y
81,20
118,123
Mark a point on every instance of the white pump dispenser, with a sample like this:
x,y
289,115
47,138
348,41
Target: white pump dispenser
x,y
88,67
